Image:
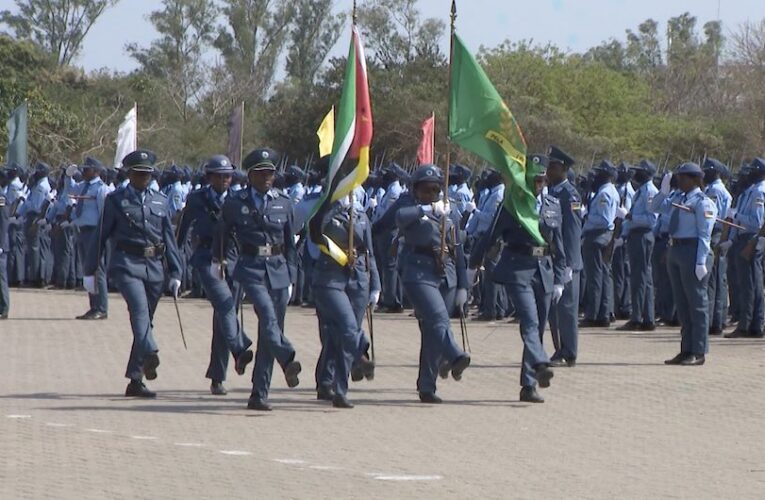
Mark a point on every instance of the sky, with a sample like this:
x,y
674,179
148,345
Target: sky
x,y
575,25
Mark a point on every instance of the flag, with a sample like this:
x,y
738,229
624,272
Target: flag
x,y
235,130
326,133
127,136
425,151
481,122
349,160
17,136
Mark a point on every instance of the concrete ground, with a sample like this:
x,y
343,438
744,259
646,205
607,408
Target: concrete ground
x,y
619,425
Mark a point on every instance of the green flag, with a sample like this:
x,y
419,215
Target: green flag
x,y
481,122
17,136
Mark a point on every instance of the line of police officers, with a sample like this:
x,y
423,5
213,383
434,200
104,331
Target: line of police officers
x,y
413,246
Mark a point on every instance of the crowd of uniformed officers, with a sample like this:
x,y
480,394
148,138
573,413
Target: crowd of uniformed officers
x,y
623,242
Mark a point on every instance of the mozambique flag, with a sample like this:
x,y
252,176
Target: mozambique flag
x,y
481,122
17,136
349,161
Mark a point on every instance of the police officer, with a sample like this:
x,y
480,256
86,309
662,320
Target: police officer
x,y
564,315
136,220
293,179
459,192
345,284
533,267
689,260
718,280
435,278
63,236
202,215
664,301
597,233
16,194
386,242
32,212
637,230
5,215
262,219
750,213
90,196
620,264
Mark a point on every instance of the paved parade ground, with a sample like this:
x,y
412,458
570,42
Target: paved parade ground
x,y
619,425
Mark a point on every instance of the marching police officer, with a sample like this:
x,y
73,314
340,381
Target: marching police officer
x,y
136,219
345,283
718,280
386,241
262,219
637,230
564,315
90,196
692,218
597,233
202,215
435,279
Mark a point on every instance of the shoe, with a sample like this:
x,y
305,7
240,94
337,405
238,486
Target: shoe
x,y
137,389
258,404
530,395
459,366
623,315
630,326
693,360
677,360
98,315
325,393
217,389
484,317
560,362
242,361
543,375
291,372
430,398
715,331
85,316
647,327
4,316
363,368
340,401
150,365
735,334
443,369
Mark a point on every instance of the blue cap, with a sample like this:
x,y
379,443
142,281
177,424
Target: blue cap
x,y
758,165
295,171
93,163
689,168
557,155
218,164
427,173
713,164
141,160
42,168
646,166
624,167
261,159
606,167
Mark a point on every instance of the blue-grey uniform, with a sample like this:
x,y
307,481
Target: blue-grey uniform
x,y
176,199
5,215
344,286
637,232
532,269
664,300
32,212
434,280
386,242
86,216
266,269
201,216
689,261
64,239
492,296
620,265
144,260
15,196
597,232
750,213
718,279
564,315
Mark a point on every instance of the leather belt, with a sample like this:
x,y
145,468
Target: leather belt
x,y
262,250
529,250
679,242
139,250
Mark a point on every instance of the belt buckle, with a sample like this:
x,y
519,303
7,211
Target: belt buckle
x,y
148,252
537,251
264,251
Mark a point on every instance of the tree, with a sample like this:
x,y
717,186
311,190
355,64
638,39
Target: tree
x,y
315,30
58,26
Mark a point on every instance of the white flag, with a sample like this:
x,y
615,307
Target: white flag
x,y
127,137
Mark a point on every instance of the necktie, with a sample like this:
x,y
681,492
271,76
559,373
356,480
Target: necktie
x,y
81,200
674,220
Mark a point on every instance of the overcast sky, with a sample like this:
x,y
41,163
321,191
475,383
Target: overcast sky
x,y
571,24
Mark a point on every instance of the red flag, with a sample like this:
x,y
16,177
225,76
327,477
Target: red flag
x,y
425,151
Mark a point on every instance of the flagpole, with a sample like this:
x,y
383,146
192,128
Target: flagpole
x,y
351,221
433,136
241,136
453,17
135,145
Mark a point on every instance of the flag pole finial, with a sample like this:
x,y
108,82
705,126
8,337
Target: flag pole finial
x,y
353,14
453,15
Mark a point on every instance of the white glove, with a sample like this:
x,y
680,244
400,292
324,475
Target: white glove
x,y
71,170
461,298
175,287
725,245
701,271
621,212
568,275
89,282
557,293
217,269
289,292
470,207
618,242
731,212
665,187
374,297
441,208
345,201
41,222
372,203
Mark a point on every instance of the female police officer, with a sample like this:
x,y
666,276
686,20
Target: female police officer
x,y
135,218
435,279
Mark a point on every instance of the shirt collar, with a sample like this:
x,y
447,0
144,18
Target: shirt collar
x,y
557,188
